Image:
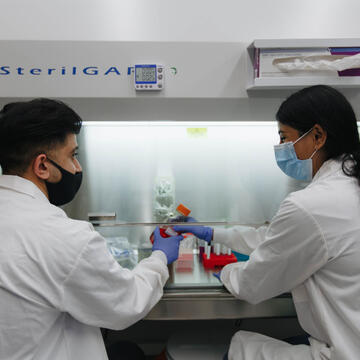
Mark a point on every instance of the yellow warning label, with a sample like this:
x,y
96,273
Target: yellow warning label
x,y
196,132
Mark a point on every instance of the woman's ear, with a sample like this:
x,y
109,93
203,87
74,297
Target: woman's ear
x,y
320,136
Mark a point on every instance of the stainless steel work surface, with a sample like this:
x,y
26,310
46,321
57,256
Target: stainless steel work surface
x,y
193,293
208,304
188,274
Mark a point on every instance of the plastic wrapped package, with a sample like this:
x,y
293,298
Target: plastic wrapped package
x,y
318,63
288,62
164,198
121,250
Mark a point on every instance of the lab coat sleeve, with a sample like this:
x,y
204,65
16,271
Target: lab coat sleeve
x,y
99,292
294,248
243,239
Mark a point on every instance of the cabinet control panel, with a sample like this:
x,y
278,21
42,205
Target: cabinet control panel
x,y
149,77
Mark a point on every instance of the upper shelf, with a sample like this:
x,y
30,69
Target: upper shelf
x,y
303,43
273,82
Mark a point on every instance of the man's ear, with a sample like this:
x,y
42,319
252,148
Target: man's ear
x,y
320,136
40,167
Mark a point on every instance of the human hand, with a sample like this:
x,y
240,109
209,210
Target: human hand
x,y
169,246
218,275
201,232
189,219
183,219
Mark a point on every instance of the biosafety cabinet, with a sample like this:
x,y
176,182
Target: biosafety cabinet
x,y
164,123
137,172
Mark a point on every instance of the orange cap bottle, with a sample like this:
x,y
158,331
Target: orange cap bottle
x,y
183,210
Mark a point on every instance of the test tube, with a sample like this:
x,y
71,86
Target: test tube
x,y
229,251
224,250
201,246
207,251
217,249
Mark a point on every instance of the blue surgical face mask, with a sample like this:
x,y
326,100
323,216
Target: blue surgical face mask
x,y
289,163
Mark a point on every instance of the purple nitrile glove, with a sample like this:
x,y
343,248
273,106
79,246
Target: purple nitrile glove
x,y
201,232
183,219
218,275
190,219
169,246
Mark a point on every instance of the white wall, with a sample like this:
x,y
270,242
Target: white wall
x,y
177,20
181,20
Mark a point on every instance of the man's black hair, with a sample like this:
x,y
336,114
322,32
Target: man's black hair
x,y
30,128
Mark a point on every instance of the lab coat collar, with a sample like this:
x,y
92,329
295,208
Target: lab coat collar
x,y
328,168
19,184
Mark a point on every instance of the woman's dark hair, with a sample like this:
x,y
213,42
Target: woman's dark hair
x,y
30,128
330,109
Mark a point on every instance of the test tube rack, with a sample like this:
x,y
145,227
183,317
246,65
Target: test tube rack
x,y
215,259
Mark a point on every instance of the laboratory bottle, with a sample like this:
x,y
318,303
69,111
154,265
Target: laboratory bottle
x,y
181,213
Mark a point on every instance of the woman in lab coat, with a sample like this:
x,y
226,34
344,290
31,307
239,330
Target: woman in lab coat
x,y
312,245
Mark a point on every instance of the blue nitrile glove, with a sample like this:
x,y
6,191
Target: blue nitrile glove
x,y
189,219
183,219
169,246
201,232
218,275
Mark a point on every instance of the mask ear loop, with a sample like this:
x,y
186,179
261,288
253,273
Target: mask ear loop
x,y
313,153
315,148
53,162
302,136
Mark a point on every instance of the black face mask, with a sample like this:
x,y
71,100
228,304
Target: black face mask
x,y
64,191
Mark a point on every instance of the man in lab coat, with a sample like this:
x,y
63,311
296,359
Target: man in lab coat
x,y
312,245
58,282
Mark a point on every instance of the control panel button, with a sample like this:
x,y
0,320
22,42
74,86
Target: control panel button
x,y
160,70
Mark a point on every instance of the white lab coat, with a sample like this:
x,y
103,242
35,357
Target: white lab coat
x,y
58,282
311,248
